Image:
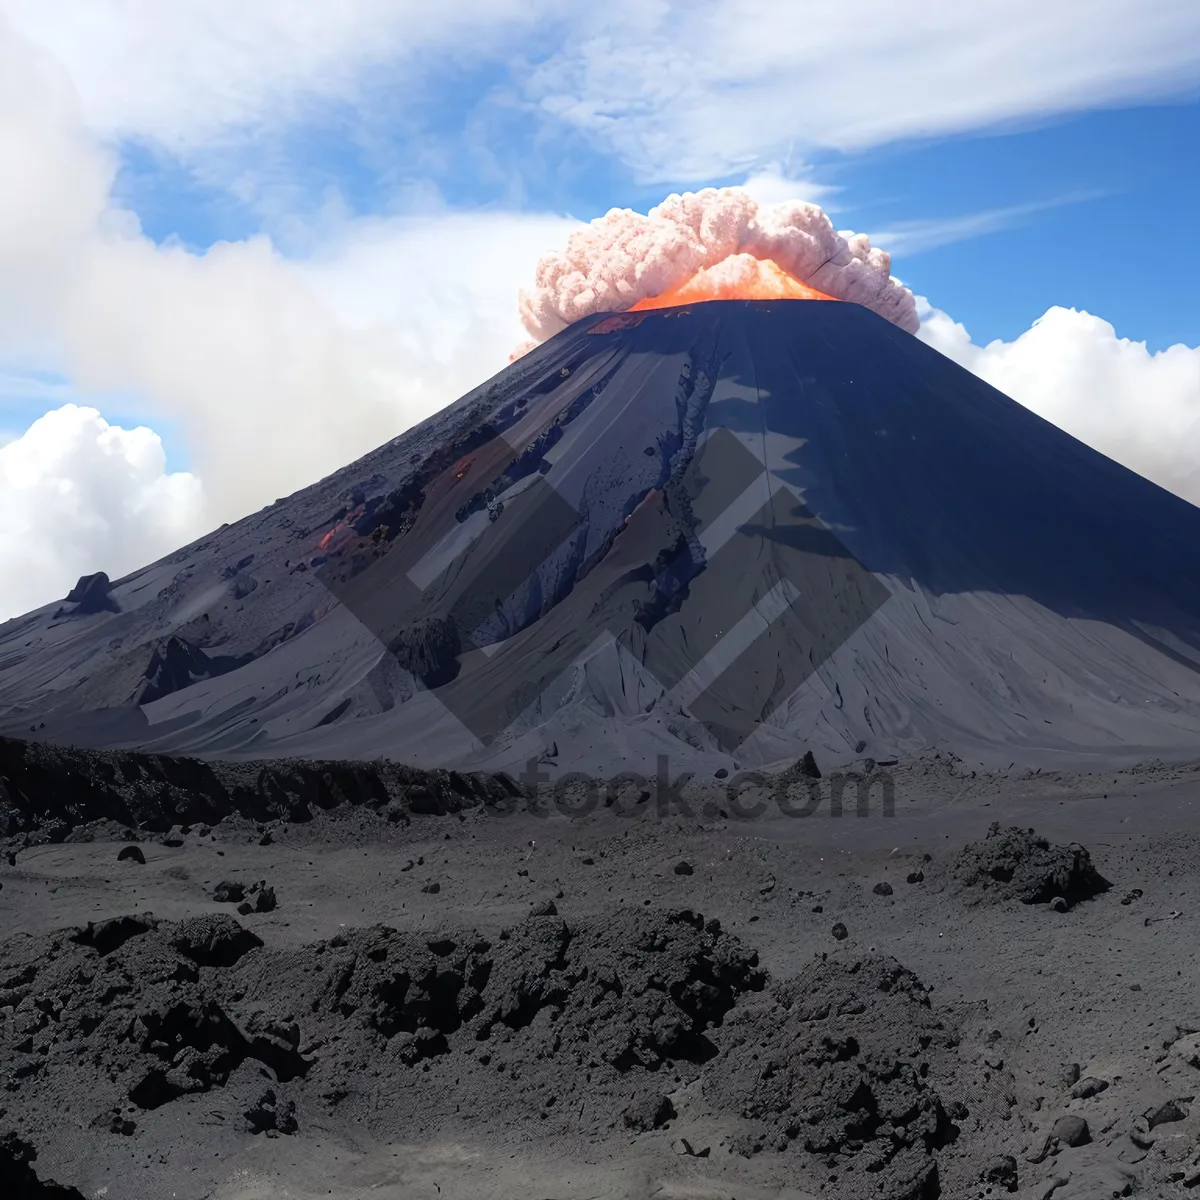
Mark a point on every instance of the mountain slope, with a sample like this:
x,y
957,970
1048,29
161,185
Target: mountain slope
x,y
723,533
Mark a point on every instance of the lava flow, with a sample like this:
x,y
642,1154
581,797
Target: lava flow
x,y
739,277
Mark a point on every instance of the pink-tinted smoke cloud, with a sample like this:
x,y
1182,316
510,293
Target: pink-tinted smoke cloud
x,y
624,259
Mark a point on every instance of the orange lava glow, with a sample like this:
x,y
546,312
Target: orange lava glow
x,y
740,277
341,532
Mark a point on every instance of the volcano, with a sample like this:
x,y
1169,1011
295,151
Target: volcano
x,y
730,532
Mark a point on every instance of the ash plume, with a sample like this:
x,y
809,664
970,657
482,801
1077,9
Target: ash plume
x,y
624,258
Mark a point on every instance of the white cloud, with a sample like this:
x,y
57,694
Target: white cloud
x,y
80,496
688,91
281,372
1139,408
681,89
275,371
776,183
187,72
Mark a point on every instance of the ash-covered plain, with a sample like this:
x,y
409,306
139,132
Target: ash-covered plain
x,y
418,986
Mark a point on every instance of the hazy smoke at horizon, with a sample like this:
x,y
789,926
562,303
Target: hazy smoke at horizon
x,y
623,258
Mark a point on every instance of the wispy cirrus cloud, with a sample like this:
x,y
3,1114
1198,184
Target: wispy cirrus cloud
x,y
36,386
677,90
703,90
904,239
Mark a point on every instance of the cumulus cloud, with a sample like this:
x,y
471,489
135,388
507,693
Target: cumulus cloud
x,y
275,371
623,258
80,495
1140,408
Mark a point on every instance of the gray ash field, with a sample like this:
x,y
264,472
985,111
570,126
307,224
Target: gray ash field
x,y
416,989
734,754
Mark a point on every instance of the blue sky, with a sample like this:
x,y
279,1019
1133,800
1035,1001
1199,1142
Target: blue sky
x,y
1120,244
1091,210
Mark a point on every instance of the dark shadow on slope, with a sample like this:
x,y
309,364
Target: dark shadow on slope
x,y
18,1179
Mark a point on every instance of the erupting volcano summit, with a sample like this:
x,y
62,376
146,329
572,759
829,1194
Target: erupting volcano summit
x,y
716,244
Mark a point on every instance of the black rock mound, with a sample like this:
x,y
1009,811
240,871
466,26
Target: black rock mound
x,y
376,1023
93,594
176,664
1017,864
836,1064
429,648
551,1029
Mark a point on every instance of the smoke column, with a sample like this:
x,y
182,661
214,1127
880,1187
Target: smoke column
x,y
624,259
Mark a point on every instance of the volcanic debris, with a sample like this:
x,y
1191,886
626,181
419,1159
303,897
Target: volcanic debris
x,y
838,1059
1017,864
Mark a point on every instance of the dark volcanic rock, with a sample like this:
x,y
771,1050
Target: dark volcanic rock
x,y
807,766
1167,1113
836,1062
175,664
106,936
587,1027
199,1046
131,854
580,1014
93,594
1086,1088
1071,1131
650,1110
270,1113
52,790
214,941
1016,864
654,985
145,1021
1002,1170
